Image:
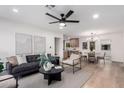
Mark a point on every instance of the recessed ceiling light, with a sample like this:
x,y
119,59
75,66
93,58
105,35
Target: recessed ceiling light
x,y
95,16
15,10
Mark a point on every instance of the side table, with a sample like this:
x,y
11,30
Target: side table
x,y
8,81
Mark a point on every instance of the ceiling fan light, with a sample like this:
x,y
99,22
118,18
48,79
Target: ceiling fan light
x,y
60,27
62,24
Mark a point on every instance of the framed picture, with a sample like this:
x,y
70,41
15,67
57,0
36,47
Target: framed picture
x,y
84,45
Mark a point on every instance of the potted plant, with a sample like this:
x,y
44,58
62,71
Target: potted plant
x,y
1,67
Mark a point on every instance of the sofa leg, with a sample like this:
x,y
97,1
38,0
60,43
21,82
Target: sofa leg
x,y
16,78
73,69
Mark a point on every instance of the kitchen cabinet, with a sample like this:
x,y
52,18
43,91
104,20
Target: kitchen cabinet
x,y
74,42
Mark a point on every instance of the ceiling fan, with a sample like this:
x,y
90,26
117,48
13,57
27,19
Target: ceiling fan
x,y
63,18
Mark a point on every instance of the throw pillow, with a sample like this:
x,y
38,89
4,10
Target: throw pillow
x,y
12,60
20,59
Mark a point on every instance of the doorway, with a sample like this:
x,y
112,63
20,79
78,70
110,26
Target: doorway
x,y
57,46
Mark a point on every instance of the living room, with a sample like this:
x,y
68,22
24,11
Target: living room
x,y
25,32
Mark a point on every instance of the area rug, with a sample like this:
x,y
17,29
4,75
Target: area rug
x,y
69,80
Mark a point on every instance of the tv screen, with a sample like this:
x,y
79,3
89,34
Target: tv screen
x,y
105,47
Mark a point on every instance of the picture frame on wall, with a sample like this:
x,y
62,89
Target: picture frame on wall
x,y
84,45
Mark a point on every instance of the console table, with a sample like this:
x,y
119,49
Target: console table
x,y
8,81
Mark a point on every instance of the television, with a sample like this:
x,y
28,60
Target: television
x,y
105,47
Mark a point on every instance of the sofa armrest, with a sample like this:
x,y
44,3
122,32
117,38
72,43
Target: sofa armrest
x,y
9,67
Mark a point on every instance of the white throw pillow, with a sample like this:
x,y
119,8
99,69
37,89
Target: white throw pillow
x,y
21,59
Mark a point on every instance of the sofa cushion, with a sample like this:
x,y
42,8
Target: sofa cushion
x,y
20,59
33,58
25,67
72,59
12,60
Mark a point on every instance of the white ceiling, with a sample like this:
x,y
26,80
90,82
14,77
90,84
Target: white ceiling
x,y
111,18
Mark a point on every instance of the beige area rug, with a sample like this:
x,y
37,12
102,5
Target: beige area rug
x,y
69,80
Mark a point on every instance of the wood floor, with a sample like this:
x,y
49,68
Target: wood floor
x,y
110,75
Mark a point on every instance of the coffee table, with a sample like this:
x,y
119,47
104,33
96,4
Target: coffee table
x,y
53,74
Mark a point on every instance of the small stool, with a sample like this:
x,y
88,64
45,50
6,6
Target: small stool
x,y
8,81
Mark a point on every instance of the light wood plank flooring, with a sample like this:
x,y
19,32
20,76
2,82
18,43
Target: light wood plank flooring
x,y
110,75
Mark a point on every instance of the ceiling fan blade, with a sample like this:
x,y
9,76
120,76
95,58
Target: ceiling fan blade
x,y
69,14
72,21
52,16
54,22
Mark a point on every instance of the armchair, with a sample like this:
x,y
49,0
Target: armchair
x,y
73,61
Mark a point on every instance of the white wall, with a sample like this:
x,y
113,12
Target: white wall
x,y
7,37
117,45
